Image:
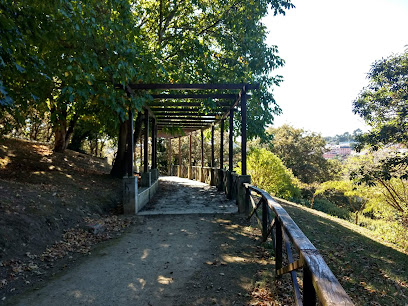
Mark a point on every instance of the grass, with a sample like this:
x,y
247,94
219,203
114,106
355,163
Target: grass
x,y
371,271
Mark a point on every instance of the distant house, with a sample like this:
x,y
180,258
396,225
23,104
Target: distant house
x,y
341,151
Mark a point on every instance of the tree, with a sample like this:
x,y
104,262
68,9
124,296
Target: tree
x,y
383,104
357,195
302,152
268,172
75,57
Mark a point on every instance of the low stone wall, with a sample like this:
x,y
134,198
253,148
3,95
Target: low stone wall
x,y
135,197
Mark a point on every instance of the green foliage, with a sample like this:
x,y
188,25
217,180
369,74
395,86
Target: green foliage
x,y
332,209
345,137
71,56
383,104
268,172
302,152
389,230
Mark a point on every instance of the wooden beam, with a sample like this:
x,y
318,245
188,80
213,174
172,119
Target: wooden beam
x,y
191,113
159,118
184,124
194,96
188,104
142,86
185,109
182,120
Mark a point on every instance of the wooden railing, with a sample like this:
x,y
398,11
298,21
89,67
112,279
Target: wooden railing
x,y
318,280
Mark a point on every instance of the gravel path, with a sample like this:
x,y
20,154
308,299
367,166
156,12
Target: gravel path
x,y
205,258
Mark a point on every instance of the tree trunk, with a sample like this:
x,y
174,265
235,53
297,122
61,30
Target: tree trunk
x,y
138,127
118,168
60,132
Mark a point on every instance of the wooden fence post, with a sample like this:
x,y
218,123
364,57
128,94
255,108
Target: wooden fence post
x,y
309,293
264,220
278,247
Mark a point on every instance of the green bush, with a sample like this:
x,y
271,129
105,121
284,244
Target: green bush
x,y
331,209
268,173
390,231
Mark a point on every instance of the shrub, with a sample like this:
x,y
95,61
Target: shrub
x,y
268,172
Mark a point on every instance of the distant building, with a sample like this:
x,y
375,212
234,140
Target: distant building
x,y
341,151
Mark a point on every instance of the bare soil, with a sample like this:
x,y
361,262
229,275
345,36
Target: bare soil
x,y
49,254
43,196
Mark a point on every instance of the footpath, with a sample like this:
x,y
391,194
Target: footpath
x,y
188,247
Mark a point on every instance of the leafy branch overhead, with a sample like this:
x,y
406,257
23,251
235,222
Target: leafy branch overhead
x,y
68,57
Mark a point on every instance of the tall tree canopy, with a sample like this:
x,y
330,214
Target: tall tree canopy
x,y
69,56
383,104
302,152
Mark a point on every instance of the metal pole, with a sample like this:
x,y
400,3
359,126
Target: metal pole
x,y
244,131
146,142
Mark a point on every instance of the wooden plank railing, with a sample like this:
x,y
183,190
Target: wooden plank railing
x,y
318,280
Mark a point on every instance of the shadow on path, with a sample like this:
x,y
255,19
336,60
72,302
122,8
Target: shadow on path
x,y
196,259
183,196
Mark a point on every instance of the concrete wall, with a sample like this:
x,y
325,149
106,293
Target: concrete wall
x,y
136,197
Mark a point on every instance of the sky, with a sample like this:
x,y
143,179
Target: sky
x,y
329,47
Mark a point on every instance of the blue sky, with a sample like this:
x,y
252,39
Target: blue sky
x,y
329,47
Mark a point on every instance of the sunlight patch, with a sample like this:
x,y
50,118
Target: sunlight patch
x,y
231,259
164,280
145,254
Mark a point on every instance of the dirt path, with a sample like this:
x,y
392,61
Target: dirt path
x,y
194,259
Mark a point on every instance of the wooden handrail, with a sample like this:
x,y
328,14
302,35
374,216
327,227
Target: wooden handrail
x,y
327,288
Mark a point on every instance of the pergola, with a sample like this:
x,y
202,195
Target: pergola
x,y
169,110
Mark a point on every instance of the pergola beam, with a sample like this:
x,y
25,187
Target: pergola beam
x,y
194,96
184,109
191,113
142,86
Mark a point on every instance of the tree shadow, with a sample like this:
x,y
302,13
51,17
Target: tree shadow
x,y
369,271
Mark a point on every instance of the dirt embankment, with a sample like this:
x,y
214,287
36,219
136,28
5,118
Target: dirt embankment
x,y
43,196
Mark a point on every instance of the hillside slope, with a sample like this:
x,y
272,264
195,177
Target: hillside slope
x,y
42,195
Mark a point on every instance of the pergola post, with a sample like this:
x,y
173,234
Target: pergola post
x,y
130,146
169,156
212,179
202,157
146,143
222,145
242,198
146,175
244,131
141,153
190,176
228,178
179,158
231,141
220,185
154,143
